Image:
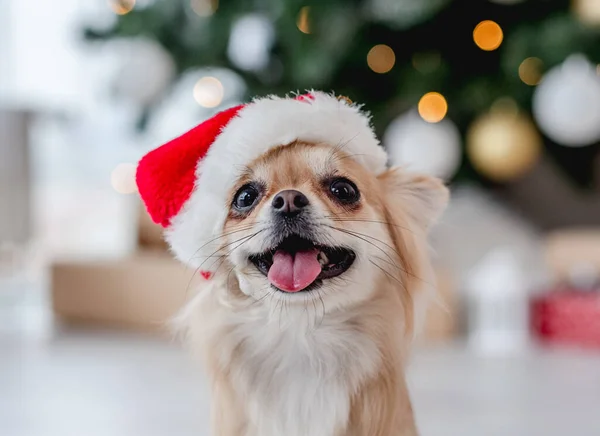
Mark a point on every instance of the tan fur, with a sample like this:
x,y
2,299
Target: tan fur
x,y
405,206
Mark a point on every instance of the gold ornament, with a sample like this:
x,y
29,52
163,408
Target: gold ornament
x,y
121,7
588,11
503,144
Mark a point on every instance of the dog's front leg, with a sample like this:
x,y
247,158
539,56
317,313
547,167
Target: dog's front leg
x,y
228,416
382,408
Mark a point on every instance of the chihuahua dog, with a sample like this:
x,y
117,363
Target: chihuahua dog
x,y
316,289
305,326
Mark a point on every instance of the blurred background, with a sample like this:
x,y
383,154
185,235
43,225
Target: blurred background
x,y
500,98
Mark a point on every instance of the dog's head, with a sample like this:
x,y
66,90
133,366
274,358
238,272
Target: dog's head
x,y
288,203
307,222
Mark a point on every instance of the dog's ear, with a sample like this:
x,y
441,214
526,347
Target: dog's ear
x,y
422,198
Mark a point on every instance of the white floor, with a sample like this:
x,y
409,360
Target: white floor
x,y
58,381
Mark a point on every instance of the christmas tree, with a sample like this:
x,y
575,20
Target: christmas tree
x,y
474,70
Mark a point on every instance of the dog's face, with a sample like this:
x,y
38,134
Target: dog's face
x,y
308,225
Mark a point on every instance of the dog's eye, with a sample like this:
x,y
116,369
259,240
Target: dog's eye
x,y
344,190
245,198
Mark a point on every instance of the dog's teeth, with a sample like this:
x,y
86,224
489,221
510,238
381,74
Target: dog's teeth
x,y
322,258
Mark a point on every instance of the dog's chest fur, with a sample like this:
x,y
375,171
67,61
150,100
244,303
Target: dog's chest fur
x,y
296,377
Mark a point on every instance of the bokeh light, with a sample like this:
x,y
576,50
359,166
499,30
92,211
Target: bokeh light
x,y
588,11
208,92
530,71
429,148
204,8
488,35
503,147
303,22
121,7
381,58
433,107
122,178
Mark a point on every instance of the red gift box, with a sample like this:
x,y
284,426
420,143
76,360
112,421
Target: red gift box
x,y
567,317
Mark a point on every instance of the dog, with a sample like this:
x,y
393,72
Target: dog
x,y
318,282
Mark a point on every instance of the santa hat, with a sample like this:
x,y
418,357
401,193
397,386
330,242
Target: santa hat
x,y
186,183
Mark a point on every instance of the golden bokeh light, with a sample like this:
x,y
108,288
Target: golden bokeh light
x,y
381,58
204,8
488,35
208,92
530,71
588,11
122,178
503,147
433,107
121,7
303,22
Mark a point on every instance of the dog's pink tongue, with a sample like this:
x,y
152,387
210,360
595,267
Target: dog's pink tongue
x,y
292,273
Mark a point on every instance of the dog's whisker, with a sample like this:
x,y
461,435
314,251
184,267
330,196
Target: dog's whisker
x,y
267,292
338,148
187,289
236,229
346,156
226,255
363,237
408,295
219,257
361,220
316,312
228,245
322,305
387,273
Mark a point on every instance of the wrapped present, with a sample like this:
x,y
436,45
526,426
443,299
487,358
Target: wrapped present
x,y
567,317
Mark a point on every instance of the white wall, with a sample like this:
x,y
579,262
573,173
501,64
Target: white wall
x,y
43,58
47,67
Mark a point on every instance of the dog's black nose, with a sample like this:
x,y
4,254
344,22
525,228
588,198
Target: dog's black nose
x,y
289,202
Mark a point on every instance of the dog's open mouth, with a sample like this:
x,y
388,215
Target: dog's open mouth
x,y
297,264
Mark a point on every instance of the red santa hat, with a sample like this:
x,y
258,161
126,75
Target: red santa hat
x,y
185,183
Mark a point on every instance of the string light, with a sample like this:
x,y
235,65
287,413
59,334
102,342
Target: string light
x,y
121,7
433,107
122,178
303,20
530,71
381,58
204,8
488,35
208,92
